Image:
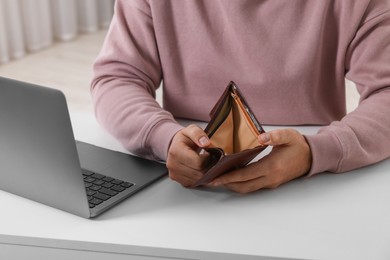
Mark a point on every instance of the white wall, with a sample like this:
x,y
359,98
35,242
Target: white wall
x,y
31,25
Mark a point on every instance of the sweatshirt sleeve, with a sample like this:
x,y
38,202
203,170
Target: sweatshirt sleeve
x,y
127,73
363,136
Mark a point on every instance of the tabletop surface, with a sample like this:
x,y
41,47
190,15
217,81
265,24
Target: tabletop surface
x,y
328,216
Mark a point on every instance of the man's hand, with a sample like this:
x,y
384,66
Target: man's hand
x,y
184,161
290,158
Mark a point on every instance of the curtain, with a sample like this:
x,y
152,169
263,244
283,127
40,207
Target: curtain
x,y
31,25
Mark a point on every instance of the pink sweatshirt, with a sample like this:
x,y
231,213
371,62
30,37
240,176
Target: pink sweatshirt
x,y
289,58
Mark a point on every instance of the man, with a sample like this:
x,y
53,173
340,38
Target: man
x,y
290,59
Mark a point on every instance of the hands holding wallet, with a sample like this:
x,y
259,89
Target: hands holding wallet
x,y
231,140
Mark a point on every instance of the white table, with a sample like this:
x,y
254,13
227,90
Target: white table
x,y
329,216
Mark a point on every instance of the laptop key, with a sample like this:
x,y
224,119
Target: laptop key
x,y
118,188
116,181
126,184
101,196
97,176
95,201
98,182
87,185
108,192
108,179
90,192
87,173
89,179
95,187
107,185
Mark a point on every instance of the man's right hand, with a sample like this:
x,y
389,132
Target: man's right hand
x,y
184,161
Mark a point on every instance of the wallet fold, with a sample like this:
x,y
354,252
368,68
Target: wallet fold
x,y
233,131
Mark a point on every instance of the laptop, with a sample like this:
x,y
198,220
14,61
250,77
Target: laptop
x,y
40,159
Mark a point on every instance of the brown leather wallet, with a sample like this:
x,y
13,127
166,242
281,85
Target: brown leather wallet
x,y
233,130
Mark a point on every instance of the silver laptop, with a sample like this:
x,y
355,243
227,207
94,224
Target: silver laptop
x,y
40,159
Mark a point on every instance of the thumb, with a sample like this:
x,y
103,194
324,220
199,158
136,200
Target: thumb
x,y
196,135
278,137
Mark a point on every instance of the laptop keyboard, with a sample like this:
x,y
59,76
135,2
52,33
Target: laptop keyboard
x,y
101,188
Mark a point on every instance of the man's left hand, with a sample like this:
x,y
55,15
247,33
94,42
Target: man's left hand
x,y
290,158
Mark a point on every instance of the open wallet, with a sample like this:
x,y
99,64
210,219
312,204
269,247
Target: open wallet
x,y
233,131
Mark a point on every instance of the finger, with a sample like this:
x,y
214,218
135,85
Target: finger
x,y
247,186
250,172
278,137
185,156
183,150
267,173
188,179
196,135
183,174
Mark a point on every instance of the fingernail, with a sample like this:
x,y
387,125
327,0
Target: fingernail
x,y
216,183
264,138
204,141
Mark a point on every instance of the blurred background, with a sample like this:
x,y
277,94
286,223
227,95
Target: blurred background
x,y
54,43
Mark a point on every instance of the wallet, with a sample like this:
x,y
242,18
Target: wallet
x,y
233,131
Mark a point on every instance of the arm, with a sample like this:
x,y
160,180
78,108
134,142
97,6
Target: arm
x,y
361,137
127,73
